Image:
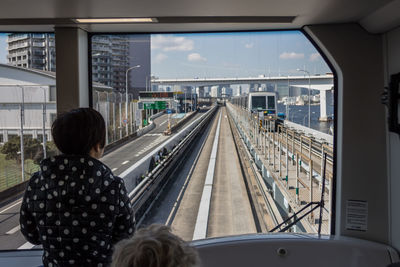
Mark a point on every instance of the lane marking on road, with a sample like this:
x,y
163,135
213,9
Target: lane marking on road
x,y
13,205
163,123
114,169
125,162
153,144
200,229
27,245
14,230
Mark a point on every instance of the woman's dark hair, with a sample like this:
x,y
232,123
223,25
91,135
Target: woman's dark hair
x,y
76,132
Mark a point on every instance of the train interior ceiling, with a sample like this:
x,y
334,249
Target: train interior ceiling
x,y
361,41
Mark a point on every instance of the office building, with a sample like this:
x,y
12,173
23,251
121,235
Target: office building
x,y
32,50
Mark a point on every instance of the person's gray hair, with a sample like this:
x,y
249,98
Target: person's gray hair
x,y
154,246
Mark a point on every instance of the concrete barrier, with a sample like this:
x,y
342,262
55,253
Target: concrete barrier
x,y
141,167
157,115
13,191
178,125
319,135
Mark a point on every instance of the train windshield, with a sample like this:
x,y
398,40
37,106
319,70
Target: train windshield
x,y
179,129
259,102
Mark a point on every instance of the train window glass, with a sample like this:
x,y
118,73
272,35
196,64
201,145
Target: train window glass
x,y
271,102
259,102
27,98
285,127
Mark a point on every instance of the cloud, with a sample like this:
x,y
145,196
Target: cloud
x,y
160,57
314,56
291,55
196,57
171,43
250,45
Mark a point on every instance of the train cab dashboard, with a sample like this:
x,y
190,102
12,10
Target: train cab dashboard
x,y
257,250
360,40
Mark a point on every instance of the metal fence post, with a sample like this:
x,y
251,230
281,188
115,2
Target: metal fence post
x,y
280,153
311,188
301,150
22,135
293,148
287,159
273,147
297,178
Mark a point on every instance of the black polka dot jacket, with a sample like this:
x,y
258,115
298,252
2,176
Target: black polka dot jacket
x,y
77,209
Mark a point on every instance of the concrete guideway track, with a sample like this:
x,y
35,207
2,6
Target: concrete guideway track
x,y
229,210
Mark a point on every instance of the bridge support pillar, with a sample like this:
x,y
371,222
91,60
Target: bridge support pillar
x,y
200,91
322,106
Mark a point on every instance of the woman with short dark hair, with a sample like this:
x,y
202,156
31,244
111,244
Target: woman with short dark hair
x,y
74,206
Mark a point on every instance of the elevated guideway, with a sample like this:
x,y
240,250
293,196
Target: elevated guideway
x,y
208,196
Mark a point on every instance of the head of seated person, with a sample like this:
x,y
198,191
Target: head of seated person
x,y
80,131
154,246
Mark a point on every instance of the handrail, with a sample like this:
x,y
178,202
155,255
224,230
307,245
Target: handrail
x,y
294,215
318,204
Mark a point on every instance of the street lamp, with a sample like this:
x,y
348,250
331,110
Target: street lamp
x,y
304,118
288,97
309,98
126,95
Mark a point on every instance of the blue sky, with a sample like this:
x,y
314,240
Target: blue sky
x,y
233,54
3,48
241,54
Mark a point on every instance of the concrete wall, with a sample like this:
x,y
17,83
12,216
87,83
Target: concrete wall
x,y
391,44
361,136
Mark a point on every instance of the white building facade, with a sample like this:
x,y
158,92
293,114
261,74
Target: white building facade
x,y
28,96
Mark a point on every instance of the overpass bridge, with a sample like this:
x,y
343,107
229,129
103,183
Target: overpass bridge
x,y
318,82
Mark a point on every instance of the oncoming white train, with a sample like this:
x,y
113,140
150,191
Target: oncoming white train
x,y
258,102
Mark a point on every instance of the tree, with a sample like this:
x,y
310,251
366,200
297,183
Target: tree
x,y
12,148
51,150
31,147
